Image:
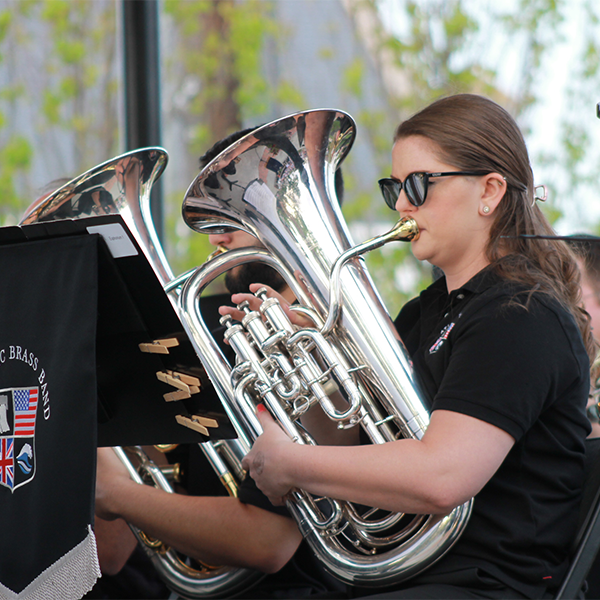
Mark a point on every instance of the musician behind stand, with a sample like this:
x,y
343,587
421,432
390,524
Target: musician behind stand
x,y
501,345
245,532
588,259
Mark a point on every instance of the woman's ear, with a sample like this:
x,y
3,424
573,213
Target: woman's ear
x,y
494,188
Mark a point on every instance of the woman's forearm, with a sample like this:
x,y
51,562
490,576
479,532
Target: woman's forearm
x,y
453,461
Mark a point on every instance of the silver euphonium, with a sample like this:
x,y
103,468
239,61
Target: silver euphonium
x,y
122,186
277,183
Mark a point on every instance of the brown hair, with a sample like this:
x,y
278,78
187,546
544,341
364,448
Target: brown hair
x,y
474,133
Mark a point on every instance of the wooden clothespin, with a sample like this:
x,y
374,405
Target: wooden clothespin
x,y
197,423
189,379
175,396
159,346
187,422
206,421
185,384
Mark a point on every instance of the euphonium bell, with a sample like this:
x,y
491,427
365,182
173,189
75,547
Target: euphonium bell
x,y
277,183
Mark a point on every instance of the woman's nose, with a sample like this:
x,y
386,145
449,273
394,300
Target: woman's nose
x,y
219,239
402,203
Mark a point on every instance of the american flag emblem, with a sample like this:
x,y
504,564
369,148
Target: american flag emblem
x,y
7,463
26,401
443,337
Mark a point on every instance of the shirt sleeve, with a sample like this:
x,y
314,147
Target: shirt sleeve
x,y
250,494
508,362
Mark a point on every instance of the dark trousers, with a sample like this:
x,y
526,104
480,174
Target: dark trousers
x,y
465,583
449,592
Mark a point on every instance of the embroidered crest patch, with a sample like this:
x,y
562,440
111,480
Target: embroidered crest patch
x,y
18,409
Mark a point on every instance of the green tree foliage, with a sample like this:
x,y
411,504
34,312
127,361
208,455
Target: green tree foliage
x,y
443,47
572,168
218,52
58,62
80,97
430,55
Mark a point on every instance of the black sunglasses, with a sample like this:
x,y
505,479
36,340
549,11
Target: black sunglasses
x,y
415,186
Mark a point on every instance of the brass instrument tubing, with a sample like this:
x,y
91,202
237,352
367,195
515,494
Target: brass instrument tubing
x,y
178,281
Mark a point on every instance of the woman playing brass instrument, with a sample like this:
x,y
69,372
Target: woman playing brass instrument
x,y
501,346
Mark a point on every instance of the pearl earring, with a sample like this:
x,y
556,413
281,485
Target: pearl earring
x,y
486,210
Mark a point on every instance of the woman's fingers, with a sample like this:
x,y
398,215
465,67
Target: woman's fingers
x,y
262,462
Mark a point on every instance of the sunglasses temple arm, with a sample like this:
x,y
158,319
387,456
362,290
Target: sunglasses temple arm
x,y
566,238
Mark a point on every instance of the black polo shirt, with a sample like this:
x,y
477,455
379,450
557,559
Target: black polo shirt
x,y
478,351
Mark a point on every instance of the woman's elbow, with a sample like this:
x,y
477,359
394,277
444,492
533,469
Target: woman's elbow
x,y
272,562
114,544
445,498
271,557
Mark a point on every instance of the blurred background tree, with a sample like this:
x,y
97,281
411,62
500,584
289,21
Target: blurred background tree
x,y
228,64
59,101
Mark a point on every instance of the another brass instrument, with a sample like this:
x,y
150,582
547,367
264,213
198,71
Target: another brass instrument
x,y
122,186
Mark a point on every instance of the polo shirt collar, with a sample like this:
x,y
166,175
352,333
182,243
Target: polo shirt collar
x,y
479,283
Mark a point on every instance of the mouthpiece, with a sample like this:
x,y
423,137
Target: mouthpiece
x,y
216,252
404,230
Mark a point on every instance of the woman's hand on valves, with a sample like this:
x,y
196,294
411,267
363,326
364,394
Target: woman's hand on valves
x,y
266,462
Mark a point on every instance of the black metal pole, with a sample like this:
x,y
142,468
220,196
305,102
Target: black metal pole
x,y
142,85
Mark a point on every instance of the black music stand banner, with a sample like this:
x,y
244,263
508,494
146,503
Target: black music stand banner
x,y
133,311
48,417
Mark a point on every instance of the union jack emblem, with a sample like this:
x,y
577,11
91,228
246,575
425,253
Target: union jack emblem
x,y
18,410
7,465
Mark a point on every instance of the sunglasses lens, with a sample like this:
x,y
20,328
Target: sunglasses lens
x,y
390,191
415,187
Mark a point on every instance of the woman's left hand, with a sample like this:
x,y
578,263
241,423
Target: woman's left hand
x,y
266,462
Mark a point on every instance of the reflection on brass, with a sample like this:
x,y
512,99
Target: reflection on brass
x,y
153,543
230,484
164,448
172,472
177,472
